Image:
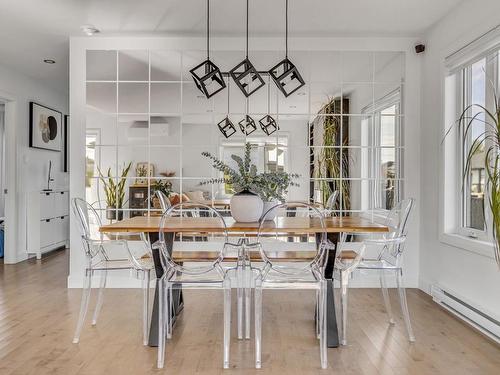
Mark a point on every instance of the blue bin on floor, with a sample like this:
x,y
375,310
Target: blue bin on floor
x,y
1,243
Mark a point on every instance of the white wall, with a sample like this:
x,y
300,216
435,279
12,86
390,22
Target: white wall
x,y
474,277
30,164
79,46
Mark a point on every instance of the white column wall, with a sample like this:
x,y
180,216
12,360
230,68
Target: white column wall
x,y
474,277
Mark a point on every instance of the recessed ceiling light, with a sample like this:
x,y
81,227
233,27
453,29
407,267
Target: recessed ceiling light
x,y
293,106
90,30
301,93
49,61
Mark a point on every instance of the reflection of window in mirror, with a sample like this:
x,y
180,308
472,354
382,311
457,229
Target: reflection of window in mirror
x,y
385,141
92,157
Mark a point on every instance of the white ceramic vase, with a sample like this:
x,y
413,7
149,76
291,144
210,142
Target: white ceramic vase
x,y
246,207
267,206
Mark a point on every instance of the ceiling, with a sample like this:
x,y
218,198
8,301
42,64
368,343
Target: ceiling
x,y
33,30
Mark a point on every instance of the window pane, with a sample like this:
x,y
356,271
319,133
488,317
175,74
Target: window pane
x,y
474,192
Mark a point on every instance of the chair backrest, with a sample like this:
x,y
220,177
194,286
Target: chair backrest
x,y
314,241
182,213
164,201
397,221
330,203
88,222
397,218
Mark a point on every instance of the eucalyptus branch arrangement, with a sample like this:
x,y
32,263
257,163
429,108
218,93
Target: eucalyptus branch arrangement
x,y
488,144
245,178
274,185
115,191
269,185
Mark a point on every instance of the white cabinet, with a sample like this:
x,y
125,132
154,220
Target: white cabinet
x,y
47,220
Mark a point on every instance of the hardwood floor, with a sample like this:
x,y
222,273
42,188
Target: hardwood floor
x,y
38,315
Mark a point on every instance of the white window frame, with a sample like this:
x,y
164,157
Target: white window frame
x,y
452,231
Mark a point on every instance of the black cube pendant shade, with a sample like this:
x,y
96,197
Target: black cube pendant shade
x,y
226,127
247,125
247,77
208,78
287,77
268,124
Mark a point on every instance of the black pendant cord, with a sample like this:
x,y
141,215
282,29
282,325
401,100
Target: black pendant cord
x,y
208,29
286,29
228,84
247,32
268,94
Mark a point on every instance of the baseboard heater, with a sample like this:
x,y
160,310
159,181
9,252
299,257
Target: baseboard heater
x,y
465,311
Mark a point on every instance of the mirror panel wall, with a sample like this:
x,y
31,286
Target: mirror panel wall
x,y
342,131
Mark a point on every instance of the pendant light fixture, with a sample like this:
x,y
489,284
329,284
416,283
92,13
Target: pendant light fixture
x,y
245,75
226,126
207,75
285,74
247,125
268,123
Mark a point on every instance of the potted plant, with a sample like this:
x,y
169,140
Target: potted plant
x,y
273,187
115,192
165,186
486,146
246,205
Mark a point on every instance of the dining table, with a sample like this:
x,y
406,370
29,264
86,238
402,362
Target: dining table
x,y
293,226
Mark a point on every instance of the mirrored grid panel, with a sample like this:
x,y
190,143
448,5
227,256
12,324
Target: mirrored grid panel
x,y
148,124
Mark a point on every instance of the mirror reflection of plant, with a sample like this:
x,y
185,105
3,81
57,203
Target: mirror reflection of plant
x,y
488,144
245,178
330,158
165,186
114,191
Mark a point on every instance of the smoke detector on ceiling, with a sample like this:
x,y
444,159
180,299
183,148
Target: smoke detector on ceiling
x,y
90,30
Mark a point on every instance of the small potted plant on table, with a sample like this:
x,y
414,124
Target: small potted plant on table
x,y
273,187
246,205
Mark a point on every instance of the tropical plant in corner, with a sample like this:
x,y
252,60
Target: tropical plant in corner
x,y
114,190
487,144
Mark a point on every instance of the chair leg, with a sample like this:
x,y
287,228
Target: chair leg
x,y
100,297
161,323
404,306
258,323
239,296
87,287
344,277
227,322
145,306
316,315
385,295
323,325
170,313
248,301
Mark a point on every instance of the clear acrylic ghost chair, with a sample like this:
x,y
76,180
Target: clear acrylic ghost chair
x,y
330,204
299,274
164,201
208,276
390,249
97,249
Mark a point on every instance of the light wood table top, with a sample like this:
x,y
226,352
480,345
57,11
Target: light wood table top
x,y
291,225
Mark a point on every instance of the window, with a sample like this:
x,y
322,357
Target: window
x,y
475,82
91,163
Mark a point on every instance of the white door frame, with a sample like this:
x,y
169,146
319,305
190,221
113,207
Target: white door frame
x,y
10,240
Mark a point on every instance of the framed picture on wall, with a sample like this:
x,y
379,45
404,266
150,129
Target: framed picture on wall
x,y
45,127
